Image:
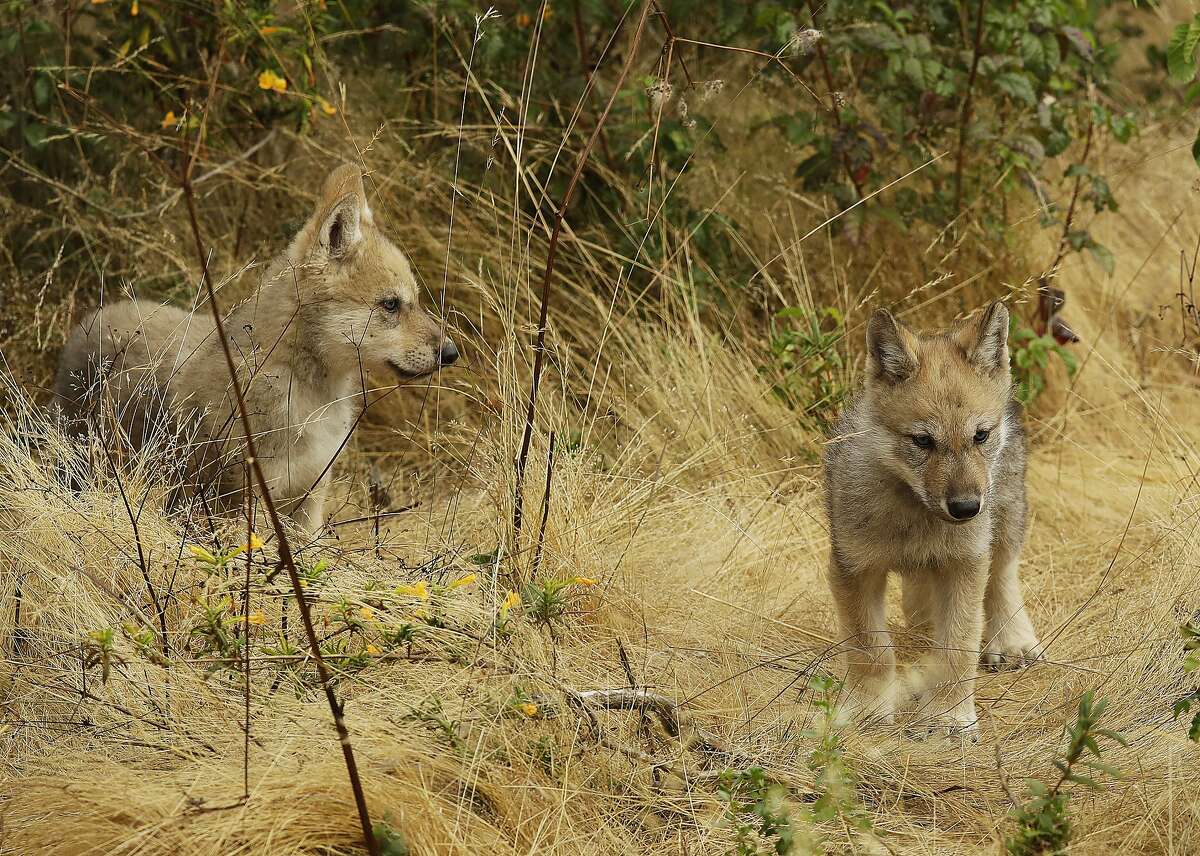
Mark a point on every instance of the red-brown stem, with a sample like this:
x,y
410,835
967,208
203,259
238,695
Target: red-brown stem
x,y
251,457
539,348
834,108
246,634
1064,239
964,118
541,538
662,16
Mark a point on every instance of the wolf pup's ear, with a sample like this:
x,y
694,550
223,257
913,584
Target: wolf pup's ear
x,y
344,207
988,348
890,348
342,228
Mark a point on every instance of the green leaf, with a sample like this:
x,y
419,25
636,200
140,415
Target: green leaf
x,y
42,87
1181,51
35,134
1103,257
877,37
1033,51
1122,127
1086,781
1017,86
914,69
1107,769
1080,41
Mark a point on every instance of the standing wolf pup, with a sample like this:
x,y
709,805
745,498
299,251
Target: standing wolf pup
x,y
925,476
339,305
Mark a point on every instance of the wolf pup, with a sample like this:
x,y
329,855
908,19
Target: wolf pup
x,y
925,476
339,305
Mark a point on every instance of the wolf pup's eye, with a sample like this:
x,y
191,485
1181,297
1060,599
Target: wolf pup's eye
x,y
390,304
922,441
981,436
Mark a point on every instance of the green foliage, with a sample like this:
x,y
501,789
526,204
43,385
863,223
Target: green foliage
x,y
546,601
905,71
1181,51
99,650
216,633
144,67
1030,358
390,840
119,85
1181,63
755,808
1043,822
1191,662
806,361
431,713
836,784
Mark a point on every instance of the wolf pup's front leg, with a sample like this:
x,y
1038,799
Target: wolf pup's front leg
x,y
1009,637
870,659
945,679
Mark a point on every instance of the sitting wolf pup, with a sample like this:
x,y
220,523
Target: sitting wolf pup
x,y
338,306
925,476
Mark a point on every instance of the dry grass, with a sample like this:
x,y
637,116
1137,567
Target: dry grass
x,y
686,489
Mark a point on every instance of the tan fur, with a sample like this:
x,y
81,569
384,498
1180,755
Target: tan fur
x,y
892,507
316,333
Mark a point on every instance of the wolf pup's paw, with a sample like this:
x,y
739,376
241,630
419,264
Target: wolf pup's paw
x,y
870,709
1013,651
964,727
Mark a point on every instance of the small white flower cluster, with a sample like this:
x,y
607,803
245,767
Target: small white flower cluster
x,y
802,42
660,93
709,89
684,118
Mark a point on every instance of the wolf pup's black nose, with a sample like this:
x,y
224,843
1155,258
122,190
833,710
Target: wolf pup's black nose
x,y
963,509
449,354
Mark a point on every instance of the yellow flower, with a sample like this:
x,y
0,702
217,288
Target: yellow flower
x,y
202,554
584,581
374,650
270,80
255,543
528,708
326,108
462,581
421,613
547,14
257,618
169,120
523,19
366,613
134,10
510,600
418,589
266,31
